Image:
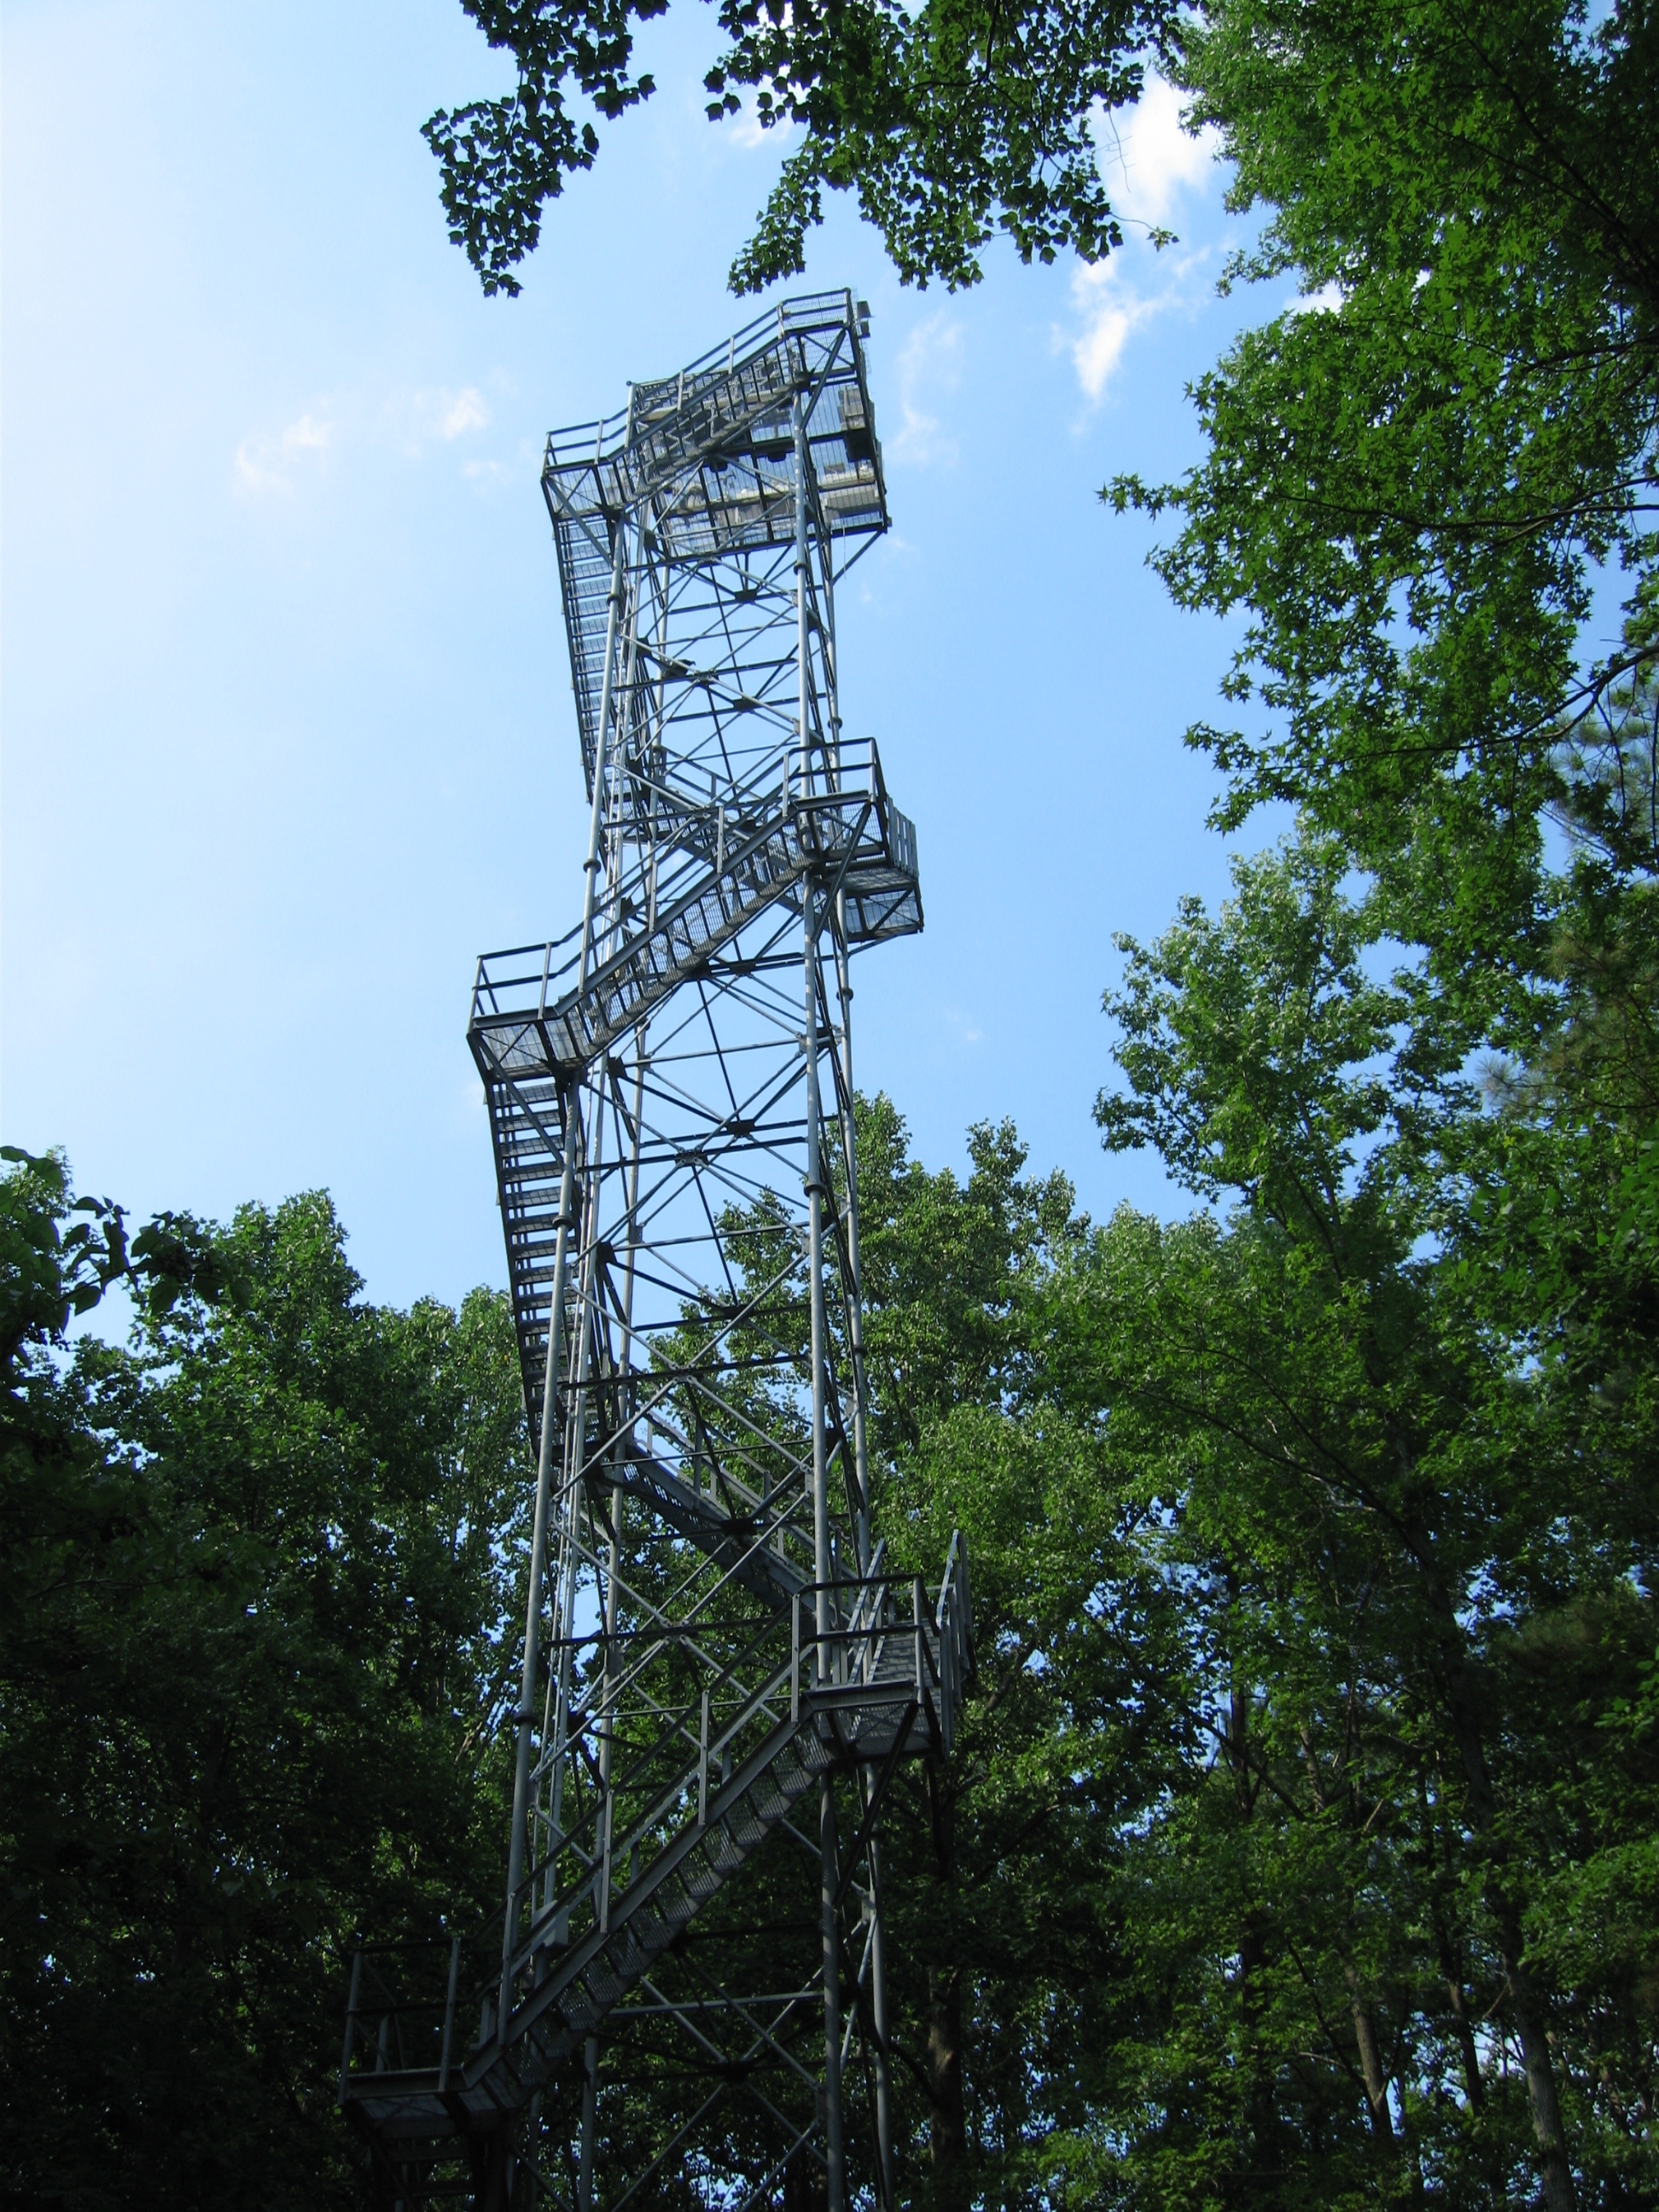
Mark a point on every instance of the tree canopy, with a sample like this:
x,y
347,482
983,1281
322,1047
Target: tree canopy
x,y
256,1564
948,122
1415,1057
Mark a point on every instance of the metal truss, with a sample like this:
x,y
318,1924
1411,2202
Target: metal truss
x,y
683,1998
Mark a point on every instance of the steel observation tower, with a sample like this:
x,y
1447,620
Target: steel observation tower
x,y
683,2001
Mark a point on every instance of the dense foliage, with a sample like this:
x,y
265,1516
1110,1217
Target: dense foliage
x,y
251,1571
1307,1815
949,121
1418,491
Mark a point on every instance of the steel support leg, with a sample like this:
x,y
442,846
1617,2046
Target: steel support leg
x,y
518,1835
878,2020
830,1885
814,916
590,2101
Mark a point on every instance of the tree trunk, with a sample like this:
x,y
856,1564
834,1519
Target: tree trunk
x,y
1555,2169
1370,2060
1260,2108
947,2126
1379,2110
946,2121
1260,2112
1554,2166
1411,2150
805,2185
1463,2027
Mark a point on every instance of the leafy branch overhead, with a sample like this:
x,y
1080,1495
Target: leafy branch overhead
x,y
62,1254
949,123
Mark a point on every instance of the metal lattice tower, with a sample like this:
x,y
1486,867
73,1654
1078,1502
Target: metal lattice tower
x,y
684,2000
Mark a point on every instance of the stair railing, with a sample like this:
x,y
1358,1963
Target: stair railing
x,y
530,982
892,1649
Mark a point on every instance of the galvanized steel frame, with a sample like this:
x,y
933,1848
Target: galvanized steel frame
x,y
671,1096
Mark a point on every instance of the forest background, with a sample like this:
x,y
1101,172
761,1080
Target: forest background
x,y
1303,1843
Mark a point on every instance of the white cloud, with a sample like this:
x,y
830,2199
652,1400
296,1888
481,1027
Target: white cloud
x,y
1149,163
1147,158
268,464
1111,308
929,369
747,130
1326,300
411,422
417,419
466,411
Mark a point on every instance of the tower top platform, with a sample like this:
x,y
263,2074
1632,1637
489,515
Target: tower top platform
x,y
712,448
710,475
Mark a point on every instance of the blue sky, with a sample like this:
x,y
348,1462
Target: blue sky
x,y
288,737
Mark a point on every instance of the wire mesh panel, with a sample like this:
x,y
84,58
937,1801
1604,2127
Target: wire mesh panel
x,y
719,1674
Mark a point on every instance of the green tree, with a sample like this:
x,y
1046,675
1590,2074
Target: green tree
x,y
1431,1548
1415,491
949,121
983,1915
257,1566
1413,486
1306,1803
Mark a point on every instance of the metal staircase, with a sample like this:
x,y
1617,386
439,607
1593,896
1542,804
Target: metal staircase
x,y
673,925
721,1677
888,1687
534,1023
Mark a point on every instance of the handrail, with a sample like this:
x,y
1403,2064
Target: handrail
x,y
584,445
804,815
840,1639
863,1624
385,2032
